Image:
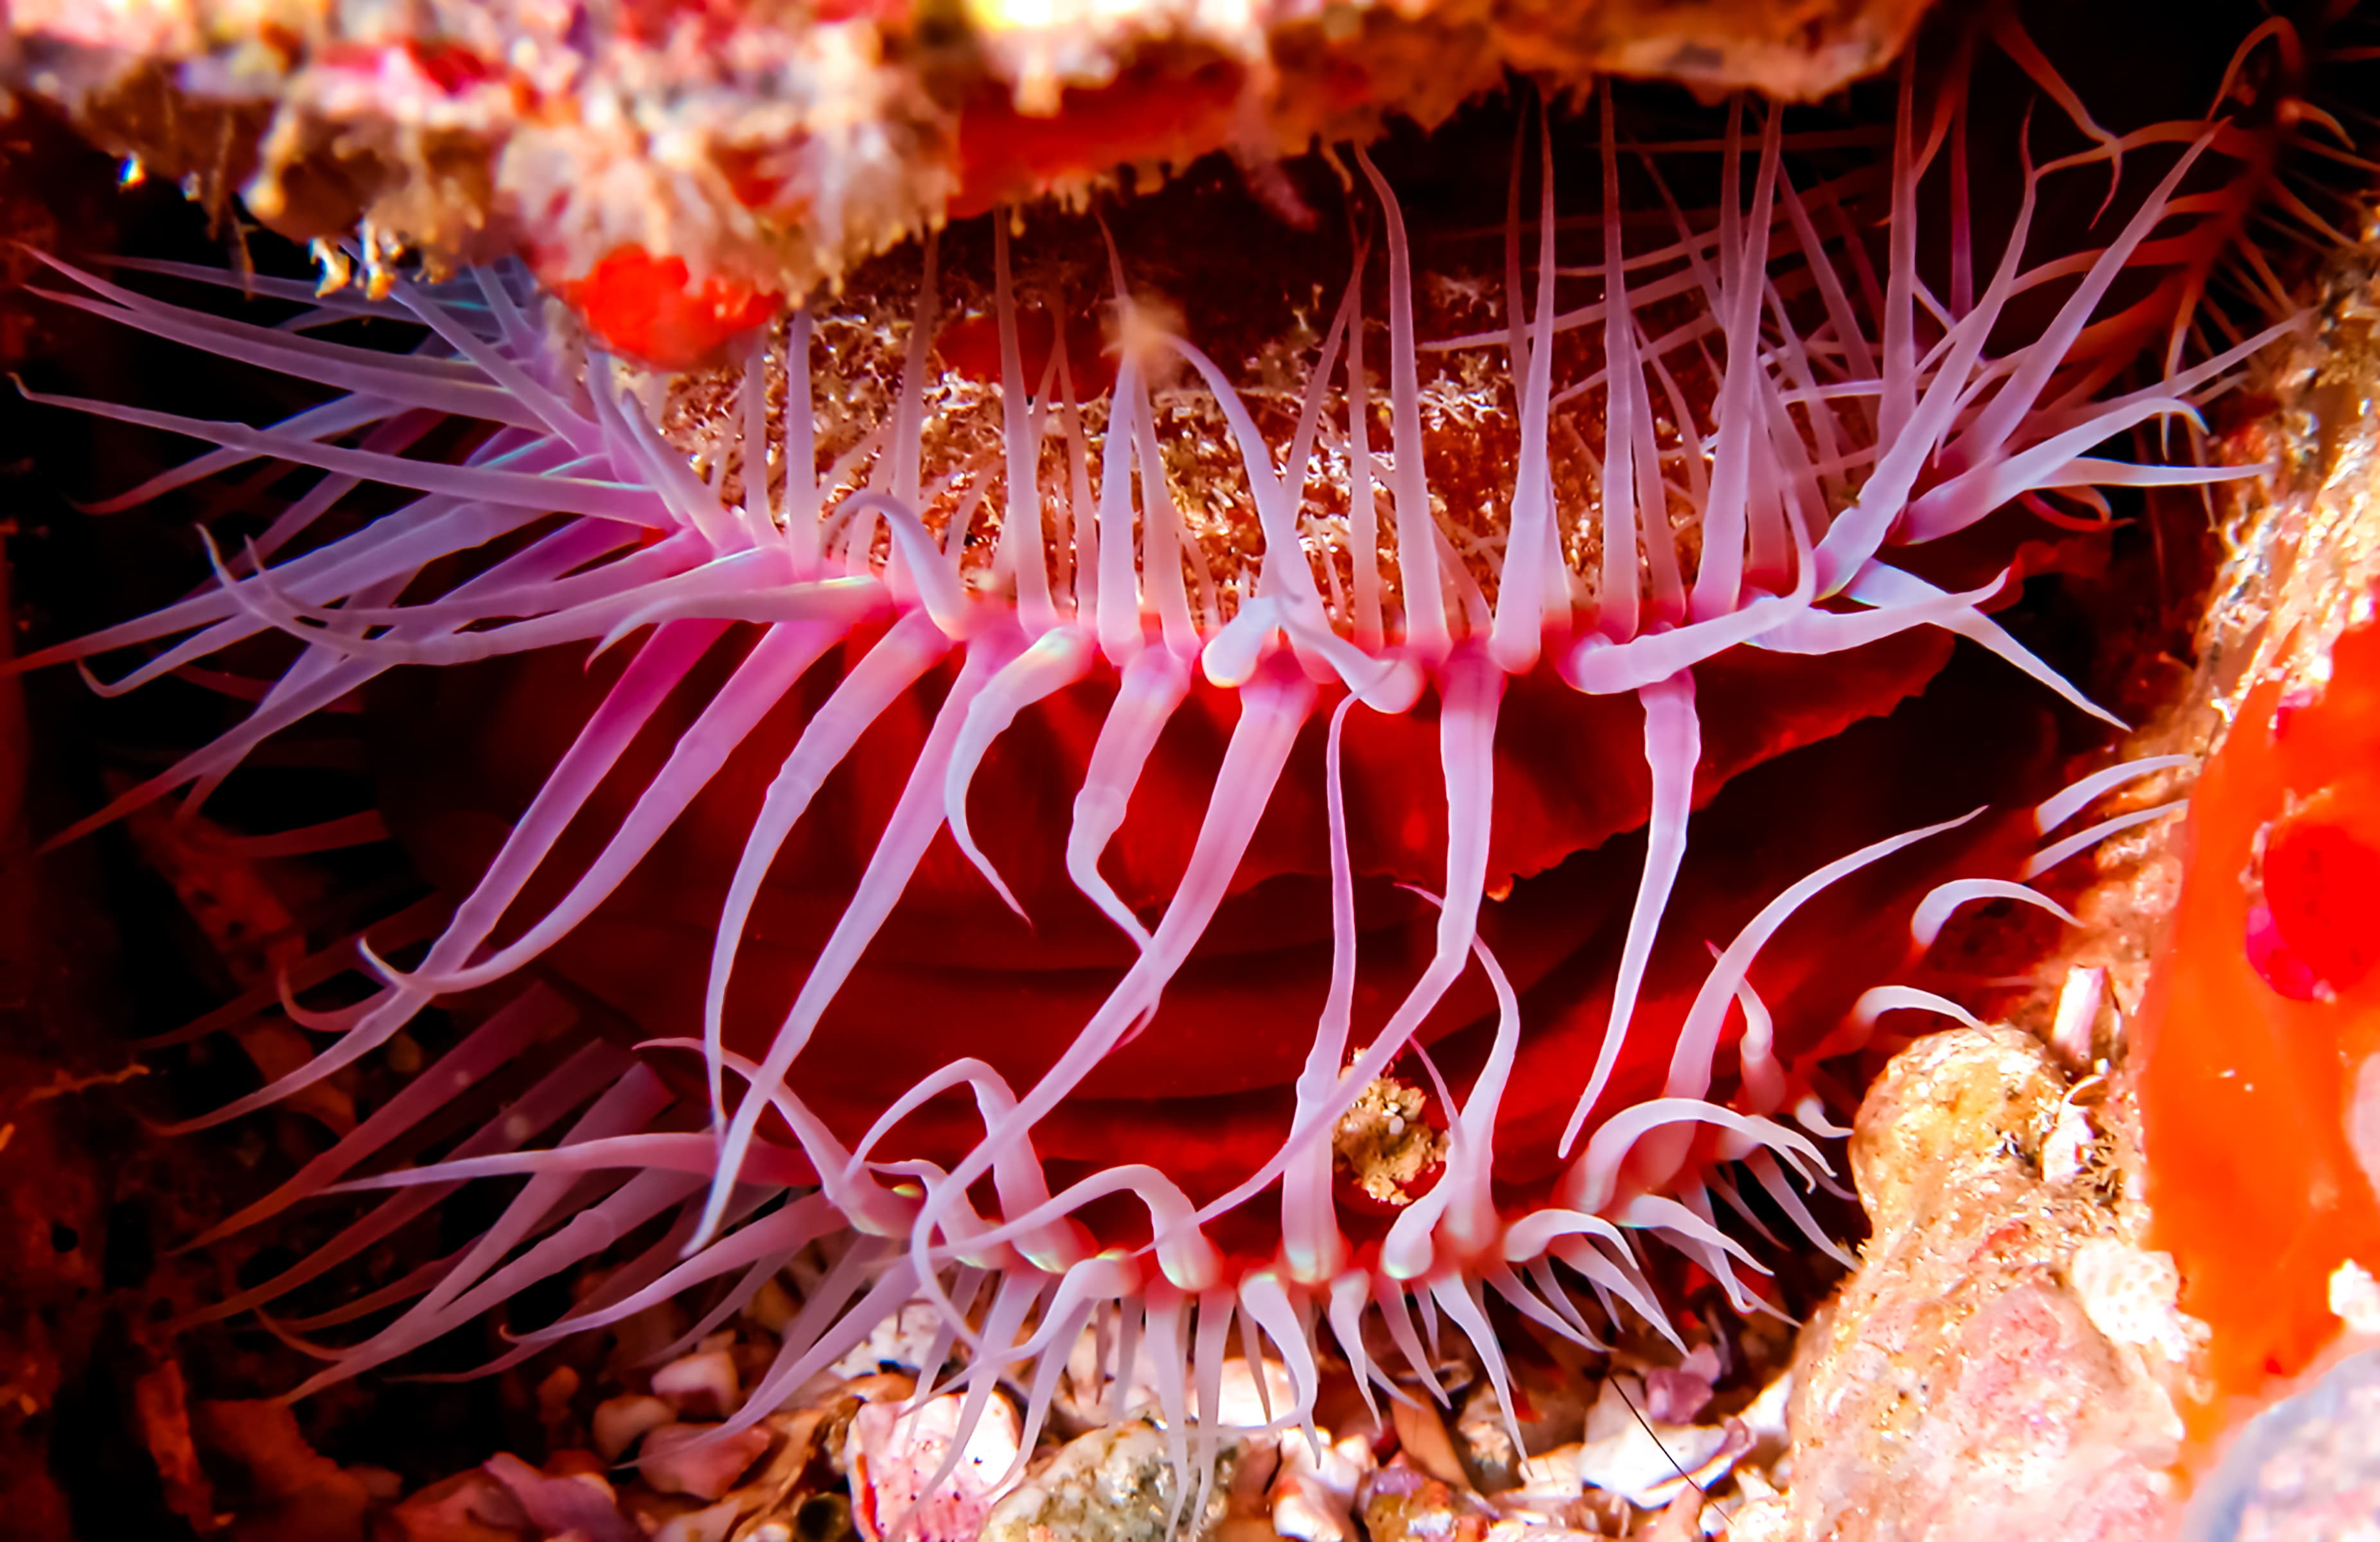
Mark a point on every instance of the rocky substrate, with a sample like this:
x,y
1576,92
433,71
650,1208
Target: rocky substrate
x,y
1668,1447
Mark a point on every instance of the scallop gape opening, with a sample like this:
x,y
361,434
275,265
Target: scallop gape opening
x,y
1350,760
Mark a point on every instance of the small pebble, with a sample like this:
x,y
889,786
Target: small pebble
x,y
704,1384
620,1421
690,1458
893,1451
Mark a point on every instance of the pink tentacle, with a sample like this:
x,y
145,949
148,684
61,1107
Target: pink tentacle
x,y
778,1235
1875,1001
585,1235
1054,660
623,502
1312,1244
1690,1063
1672,750
2051,856
551,413
583,1075
897,661
491,1045
916,819
1933,912
1472,689
1878,584
828,1327
1613,1282
761,681
1742,434
1272,710
1416,526
1153,688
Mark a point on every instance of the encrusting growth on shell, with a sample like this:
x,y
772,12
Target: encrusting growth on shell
x,y
1384,1143
670,165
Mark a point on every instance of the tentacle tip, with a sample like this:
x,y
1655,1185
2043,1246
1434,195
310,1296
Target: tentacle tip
x,y
1516,648
1396,691
370,958
611,639
1581,653
2110,719
955,818
205,1239
1230,661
